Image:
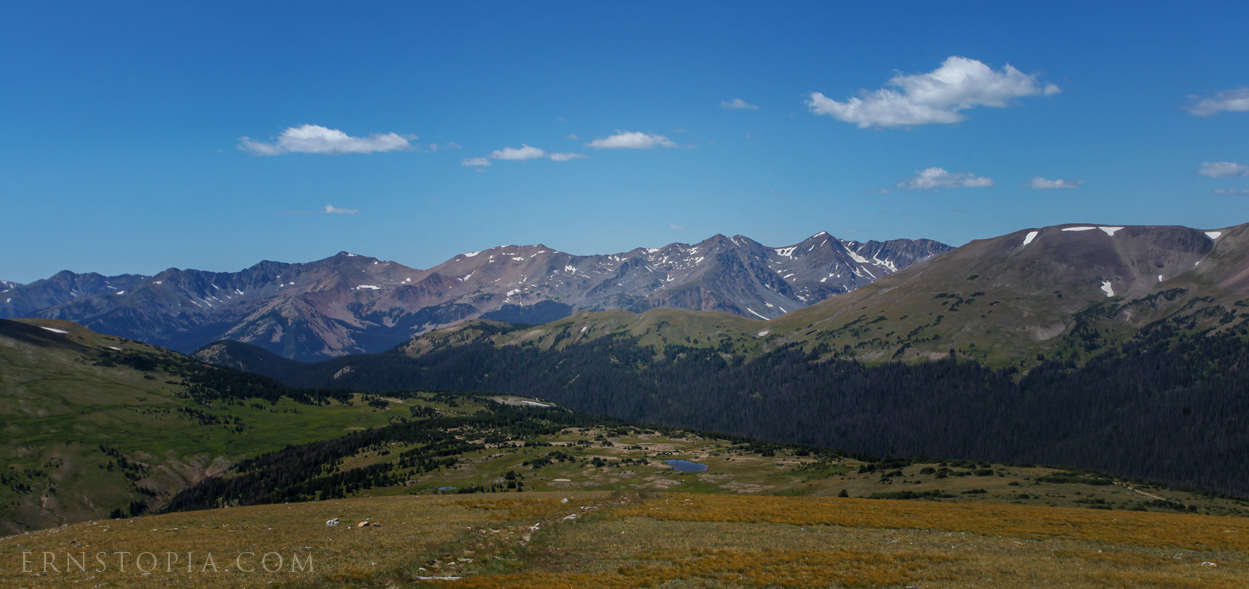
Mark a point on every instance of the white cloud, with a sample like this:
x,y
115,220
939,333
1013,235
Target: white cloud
x,y
1232,191
1040,183
881,191
634,140
524,153
1222,169
933,178
572,136
318,139
1230,100
328,210
736,104
936,97
676,226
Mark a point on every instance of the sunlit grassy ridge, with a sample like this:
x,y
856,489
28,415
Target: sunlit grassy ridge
x,y
93,424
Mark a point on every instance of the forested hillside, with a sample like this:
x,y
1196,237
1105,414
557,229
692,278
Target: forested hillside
x,y
1166,405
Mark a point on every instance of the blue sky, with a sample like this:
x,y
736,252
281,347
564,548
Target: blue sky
x,y
140,136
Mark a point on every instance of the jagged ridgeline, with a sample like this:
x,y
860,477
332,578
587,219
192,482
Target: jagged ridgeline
x,y
352,304
1115,348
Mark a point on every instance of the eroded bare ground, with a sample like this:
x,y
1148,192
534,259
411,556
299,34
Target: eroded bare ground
x,y
602,539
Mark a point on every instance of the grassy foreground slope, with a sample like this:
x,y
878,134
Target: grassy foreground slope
x,y
626,540
95,425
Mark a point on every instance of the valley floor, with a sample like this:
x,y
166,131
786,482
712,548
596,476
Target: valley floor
x,y
612,539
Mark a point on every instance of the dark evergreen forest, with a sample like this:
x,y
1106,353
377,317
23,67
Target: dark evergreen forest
x,y
1165,406
433,442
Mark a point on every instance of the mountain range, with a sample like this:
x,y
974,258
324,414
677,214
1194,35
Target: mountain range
x,y
356,304
1108,347
1003,301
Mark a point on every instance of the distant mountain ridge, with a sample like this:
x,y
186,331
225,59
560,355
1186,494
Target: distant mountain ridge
x,y
353,304
1003,300
1109,347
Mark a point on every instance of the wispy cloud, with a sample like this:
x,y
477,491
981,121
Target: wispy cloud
x,y
328,210
631,140
737,104
1040,183
881,191
934,178
935,97
524,153
676,226
1230,100
1232,191
1222,169
318,139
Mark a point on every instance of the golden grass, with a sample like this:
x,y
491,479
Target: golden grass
x,y
663,541
1194,532
787,568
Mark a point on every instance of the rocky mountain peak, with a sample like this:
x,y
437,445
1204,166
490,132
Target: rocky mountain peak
x,y
350,303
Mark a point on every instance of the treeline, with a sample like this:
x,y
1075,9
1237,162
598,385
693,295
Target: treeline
x,y
205,383
1167,406
313,471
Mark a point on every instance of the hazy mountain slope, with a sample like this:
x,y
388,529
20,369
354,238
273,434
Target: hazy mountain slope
x,y
26,300
352,304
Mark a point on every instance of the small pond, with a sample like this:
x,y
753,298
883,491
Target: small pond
x,y
686,466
